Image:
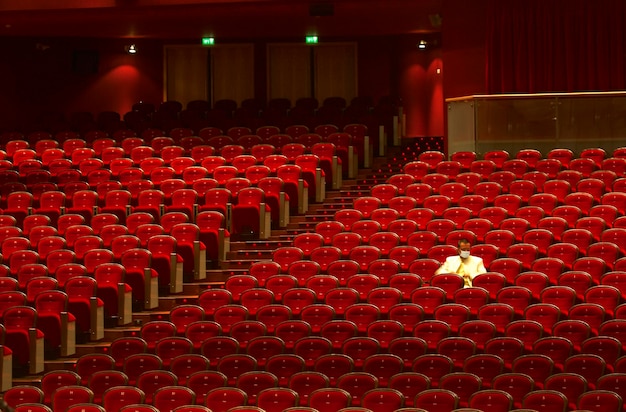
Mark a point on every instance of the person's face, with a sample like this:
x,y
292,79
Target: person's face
x,y
464,250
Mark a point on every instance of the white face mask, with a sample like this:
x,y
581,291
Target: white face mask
x,y
464,254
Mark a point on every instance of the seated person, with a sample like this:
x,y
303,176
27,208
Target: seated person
x,y
463,264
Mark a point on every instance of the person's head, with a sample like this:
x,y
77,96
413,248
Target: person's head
x,y
464,248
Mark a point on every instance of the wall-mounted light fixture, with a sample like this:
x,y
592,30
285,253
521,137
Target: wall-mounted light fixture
x,y
131,49
422,45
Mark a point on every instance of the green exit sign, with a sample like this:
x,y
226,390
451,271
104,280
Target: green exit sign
x,y
208,41
311,39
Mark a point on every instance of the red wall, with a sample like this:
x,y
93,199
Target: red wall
x,y
122,80
464,50
420,86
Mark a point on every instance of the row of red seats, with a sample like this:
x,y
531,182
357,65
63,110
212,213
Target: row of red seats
x,y
526,163
167,150
379,399
107,227
530,156
40,241
574,286
172,195
551,305
180,399
602,257
209,141
402,236
591,191
156,144
379,298
529,373
422,222
306,166
467,313
588,192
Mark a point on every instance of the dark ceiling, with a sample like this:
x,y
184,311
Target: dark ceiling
x,y
192,19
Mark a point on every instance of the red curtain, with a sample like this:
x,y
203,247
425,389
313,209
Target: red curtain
x,y
556,46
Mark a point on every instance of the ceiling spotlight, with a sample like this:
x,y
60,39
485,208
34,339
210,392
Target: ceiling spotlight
x,y
131,49
422,45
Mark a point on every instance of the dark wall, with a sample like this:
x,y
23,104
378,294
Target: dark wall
x,y
70,75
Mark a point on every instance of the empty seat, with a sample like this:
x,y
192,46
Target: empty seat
x,y
360,348
600,400
23,394
312,347
67,396
332,399
304,383
545,400
436,398
606,295
383,366
574,330
382,399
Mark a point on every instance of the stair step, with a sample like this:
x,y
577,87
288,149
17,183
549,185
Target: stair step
x,y
290,232
326,212
141,318
303,227
196,288
251,254
110,334
61,363
93,347
212,275
261,245
239,264
175,300
339,199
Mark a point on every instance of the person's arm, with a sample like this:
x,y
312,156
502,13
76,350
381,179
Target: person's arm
x,y
443,268
481,267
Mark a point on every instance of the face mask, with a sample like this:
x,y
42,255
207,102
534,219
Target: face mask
x,y
464,254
